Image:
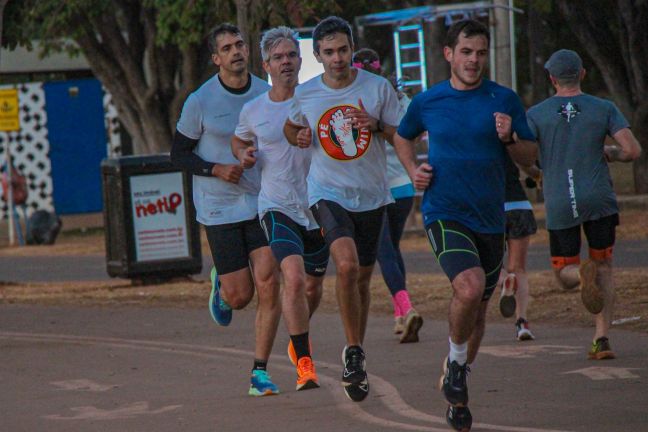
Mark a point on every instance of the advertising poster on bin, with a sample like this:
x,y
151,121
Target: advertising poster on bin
x,y
159,217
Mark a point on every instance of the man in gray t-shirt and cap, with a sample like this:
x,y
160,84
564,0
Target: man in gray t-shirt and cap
x,y
571,128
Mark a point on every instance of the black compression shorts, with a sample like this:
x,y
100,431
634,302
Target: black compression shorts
x,y
231,244
363,227
457,248
287,238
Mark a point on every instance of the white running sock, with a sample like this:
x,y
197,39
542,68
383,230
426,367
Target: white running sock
x,y
458,352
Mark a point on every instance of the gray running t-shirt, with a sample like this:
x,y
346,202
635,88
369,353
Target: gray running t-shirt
x,y
210,115
571,132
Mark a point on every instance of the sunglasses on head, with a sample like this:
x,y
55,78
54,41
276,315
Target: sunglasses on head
x,y
363,64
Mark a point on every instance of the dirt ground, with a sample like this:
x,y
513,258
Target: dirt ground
x,y
430,293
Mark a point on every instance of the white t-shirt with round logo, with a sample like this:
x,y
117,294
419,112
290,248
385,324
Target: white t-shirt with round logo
x,y
284,167
349,165
210,115
396,173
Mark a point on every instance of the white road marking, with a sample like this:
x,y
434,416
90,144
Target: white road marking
x,y
390,395
392,399
126,412
626,320
82,385
598,373
521,351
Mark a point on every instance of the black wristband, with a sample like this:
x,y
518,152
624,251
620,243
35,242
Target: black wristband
x,y
379,126
508,143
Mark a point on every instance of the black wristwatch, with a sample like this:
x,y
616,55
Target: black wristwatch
x,y
379,126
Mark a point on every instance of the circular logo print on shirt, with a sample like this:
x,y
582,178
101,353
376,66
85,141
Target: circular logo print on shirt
x,y
338,138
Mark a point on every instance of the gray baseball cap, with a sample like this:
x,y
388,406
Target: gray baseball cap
x,y
564,63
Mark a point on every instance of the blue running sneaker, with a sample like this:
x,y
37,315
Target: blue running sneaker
x,y
260,384
219,310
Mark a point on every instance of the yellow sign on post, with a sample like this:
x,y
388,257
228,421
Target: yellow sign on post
x,y
9,110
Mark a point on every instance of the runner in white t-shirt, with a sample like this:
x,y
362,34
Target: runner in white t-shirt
x,y
225,196
293,234
392,267
346,109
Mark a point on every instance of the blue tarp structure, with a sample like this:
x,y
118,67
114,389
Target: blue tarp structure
x,y
423,13
77,137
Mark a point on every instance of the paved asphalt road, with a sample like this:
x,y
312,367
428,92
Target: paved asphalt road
x,y
143,369
630,254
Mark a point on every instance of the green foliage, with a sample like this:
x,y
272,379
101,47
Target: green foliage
x,y
541,6
307,13
182,22
50,22
178,22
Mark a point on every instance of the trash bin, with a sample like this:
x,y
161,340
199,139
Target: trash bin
x,y
149,218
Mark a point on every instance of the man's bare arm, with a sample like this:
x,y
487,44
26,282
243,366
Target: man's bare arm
x,y
388,133
523,152
244,151
628,149
421,175
290,131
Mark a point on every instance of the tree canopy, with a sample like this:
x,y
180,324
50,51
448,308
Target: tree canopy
x,y
147,53
614,36
150,54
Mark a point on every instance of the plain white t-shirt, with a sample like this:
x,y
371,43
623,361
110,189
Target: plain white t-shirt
x,y
210,115
284,167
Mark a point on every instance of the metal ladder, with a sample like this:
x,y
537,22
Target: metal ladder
x,y
414,52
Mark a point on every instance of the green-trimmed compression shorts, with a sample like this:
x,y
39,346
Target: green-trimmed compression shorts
x,y
458,248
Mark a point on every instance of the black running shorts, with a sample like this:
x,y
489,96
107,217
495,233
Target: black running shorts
x,y
520,224
286,238
600,234
457,248
231,244
363,227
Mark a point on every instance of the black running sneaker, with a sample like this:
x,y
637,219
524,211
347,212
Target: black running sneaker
x,y
453,383
354,376
459,418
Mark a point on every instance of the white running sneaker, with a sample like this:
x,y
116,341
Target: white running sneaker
x,y
413,323
522,330
399,325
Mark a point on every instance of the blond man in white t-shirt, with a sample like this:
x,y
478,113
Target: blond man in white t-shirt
x,y
294,236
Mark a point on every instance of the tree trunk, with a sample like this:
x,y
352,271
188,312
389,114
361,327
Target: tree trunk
x,y
437,66
125,92
502,41
537,54
3,3
248,13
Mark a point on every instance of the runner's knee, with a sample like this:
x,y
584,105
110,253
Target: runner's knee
x,y
294,283
348,269
469,286
238,299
